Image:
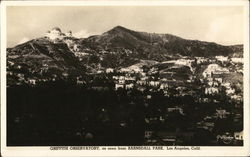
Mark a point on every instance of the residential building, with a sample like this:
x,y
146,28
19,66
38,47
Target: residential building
x,y
238,135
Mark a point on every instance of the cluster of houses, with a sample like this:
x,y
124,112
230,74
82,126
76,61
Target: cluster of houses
x,y
222,59
135,77
178,137
127,78
214,75
16,71
214,78
231,138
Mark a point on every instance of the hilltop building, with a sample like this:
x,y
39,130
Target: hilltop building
x,y
56,34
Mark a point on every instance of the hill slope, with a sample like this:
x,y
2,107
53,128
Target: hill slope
x,y
156,46
42,59
70,57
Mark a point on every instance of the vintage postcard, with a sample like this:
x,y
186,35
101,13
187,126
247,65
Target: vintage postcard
x,y
125,78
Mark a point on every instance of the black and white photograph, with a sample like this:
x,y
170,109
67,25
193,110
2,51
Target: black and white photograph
x,y
125,75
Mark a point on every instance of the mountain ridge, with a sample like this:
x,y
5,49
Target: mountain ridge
x,y
120,33
165,43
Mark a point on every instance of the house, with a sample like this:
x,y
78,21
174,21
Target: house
x,y
149,96
236,97
189,81
200,60
237,60
163,86
120,81
210,79
240,71
220,113
215,84
99,71
154,83
174,109
226,138
162,119
143,74
144,78
210,83
238,135
164,79
166,93
129,78
211,90
230,91
186,62
80,54
121,78
109,70
135,69
141,82
218,79
20,77
69,42
221,58
32,81
203,100
79,80
129,86
226,84
65,74
117,86
125,70
115,77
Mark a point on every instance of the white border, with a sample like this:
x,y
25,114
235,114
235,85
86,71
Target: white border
x,y
205,151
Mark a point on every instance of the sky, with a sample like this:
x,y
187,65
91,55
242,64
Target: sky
x,y
220,24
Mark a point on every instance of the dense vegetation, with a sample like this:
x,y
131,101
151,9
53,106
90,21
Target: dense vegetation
x,y
62,113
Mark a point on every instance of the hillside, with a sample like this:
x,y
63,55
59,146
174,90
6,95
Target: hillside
x,y
156,46
69,57
42,59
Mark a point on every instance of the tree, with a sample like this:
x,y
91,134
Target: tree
x,y
93,59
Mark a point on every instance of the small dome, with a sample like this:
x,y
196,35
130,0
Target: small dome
x,y
57,29
70,32
48,31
